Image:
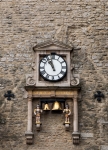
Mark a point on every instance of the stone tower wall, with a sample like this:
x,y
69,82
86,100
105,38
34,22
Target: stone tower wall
x,y
82,24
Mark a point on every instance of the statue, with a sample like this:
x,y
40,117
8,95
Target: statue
x,y
67,114
37,112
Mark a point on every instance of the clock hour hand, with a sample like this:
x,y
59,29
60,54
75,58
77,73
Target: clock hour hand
x,y
51,63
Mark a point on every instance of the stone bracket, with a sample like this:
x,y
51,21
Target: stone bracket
x,y
29,137
76,137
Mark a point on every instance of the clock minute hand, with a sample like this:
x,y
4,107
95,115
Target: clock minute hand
x,y
51,63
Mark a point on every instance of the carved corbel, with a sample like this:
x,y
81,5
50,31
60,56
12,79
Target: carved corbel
x,y
30,80
74,79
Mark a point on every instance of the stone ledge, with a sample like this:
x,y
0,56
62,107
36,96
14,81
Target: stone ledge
x,y
86,135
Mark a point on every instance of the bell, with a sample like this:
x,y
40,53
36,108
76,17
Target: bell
x,y
56,106
46,107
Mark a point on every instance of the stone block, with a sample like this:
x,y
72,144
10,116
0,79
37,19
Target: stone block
x,y
86,135
3,59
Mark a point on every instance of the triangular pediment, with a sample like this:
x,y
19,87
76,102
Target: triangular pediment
x,y
54,45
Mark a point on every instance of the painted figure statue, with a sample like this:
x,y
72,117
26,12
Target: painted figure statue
x,y
67,113
37,112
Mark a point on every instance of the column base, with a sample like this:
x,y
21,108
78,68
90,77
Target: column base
x,y
29,137
76,137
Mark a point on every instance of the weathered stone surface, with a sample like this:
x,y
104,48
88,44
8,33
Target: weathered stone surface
x,y
104,147
92,148
83,24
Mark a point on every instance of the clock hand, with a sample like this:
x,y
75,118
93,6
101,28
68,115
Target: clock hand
x,y
51,63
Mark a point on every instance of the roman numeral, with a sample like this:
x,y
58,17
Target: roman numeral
x,y
52,77
48,58
47,76
53,56
58,77
43,72
58,57
63,67
62,72
44,60
41,67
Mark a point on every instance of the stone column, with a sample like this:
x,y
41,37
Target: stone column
x,y
29,133
75,133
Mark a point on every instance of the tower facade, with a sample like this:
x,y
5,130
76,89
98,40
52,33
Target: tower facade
x,y
30,30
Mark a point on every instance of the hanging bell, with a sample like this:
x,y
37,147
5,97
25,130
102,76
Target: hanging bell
x,y
56,106
46,107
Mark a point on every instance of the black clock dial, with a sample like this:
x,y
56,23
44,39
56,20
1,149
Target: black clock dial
x,y
52,67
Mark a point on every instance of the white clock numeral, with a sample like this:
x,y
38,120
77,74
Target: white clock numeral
x,y
48,58
61,60
63,64
56,57
50,77
44,60
41,64
56,77
60,75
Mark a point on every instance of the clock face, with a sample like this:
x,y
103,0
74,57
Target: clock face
x,y
52,67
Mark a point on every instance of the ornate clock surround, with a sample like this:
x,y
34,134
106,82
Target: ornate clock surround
x,y
37,87
44,49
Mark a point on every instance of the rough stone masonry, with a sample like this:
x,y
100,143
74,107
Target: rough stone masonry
x,y
82,24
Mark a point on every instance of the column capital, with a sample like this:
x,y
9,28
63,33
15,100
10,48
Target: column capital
x,y
29,95
75,97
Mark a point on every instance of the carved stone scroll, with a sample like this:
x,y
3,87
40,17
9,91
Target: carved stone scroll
x,y
30,80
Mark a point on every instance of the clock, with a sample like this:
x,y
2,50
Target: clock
x,y
53,67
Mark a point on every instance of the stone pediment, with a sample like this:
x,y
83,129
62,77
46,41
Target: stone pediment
x,y
52,44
